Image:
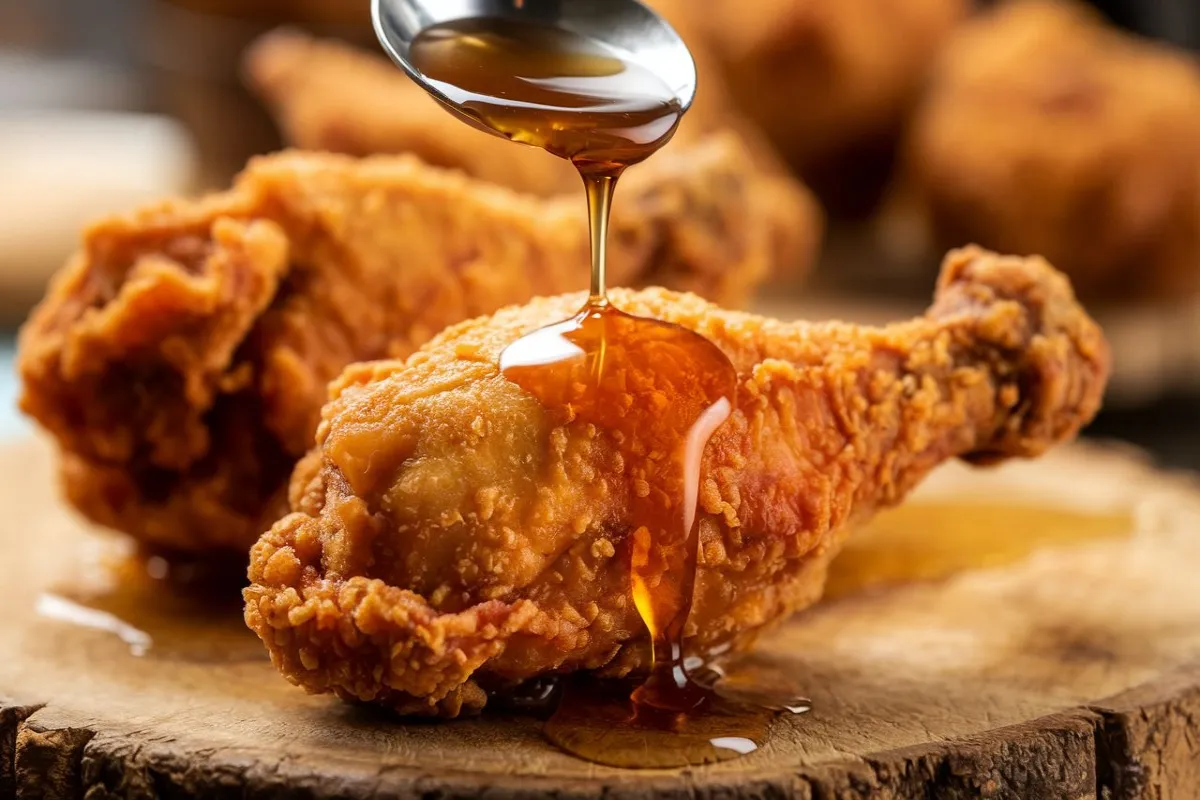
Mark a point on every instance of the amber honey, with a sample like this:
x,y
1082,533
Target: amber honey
x,y
657,390
540,85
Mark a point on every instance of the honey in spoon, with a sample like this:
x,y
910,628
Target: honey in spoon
x,y
540,85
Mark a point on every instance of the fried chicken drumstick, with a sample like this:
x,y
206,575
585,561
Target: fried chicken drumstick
x,y
449,536
181,359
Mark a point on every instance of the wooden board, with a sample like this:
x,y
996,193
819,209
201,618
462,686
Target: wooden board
x,y
1069,672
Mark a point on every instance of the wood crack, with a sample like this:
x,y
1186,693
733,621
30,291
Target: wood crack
x,y
47,761
11,718
1051,757
1146,743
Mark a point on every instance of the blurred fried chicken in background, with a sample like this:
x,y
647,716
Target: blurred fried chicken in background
x,y
181,358
329,96
1048,131
830,82
822,85
452,535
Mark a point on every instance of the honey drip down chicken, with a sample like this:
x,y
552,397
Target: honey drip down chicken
x,y
181,358
450,537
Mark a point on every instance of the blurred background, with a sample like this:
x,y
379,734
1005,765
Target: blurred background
x,y
1034,128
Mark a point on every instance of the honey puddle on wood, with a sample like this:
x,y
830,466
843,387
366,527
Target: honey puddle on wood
x,y
603,721
925,540
177,611
928,540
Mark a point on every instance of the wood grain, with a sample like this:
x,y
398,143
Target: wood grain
x,y
1071,672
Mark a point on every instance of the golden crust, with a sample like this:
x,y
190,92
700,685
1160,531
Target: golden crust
x,y
450,536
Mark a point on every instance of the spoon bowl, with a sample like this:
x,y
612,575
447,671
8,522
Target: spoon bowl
x,y
640,35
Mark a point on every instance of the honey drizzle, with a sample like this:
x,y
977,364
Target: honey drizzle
x,y
658,391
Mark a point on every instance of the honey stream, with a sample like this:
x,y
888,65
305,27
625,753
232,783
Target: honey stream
x,y
655,390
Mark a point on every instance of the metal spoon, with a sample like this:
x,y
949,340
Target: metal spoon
x,y
641,35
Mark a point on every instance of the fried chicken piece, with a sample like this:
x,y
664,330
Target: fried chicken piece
x,y
830,82
1048,131
182,357
451,535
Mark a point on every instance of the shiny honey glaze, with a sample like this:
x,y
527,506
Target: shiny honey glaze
x,y
660,391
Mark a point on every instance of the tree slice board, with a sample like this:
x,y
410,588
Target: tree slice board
x,y
1067,666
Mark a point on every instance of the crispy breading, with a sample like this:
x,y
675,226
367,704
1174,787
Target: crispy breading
x,y
181,358
451,535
